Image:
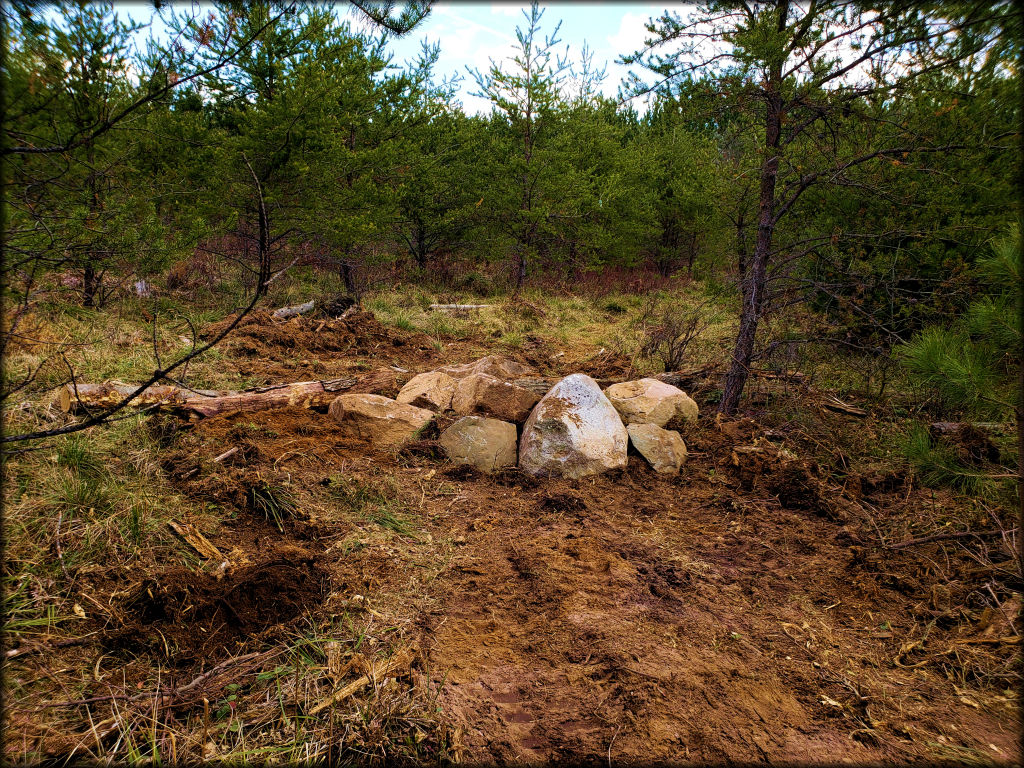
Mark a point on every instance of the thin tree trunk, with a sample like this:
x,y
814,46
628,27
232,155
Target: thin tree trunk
x,y
90,283
520,269
348,275
264,250
90,280
263,218
756,274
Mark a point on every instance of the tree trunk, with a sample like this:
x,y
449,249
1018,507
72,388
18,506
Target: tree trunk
x,y
204,403
420,245
296,309
520,270
90,280
691,253
264,247
90,284
755,275
348,275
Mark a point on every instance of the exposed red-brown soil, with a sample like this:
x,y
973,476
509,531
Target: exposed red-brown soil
x,y
746,611
208,617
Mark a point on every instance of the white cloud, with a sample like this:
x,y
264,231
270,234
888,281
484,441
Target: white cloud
x,y
630,35
459,19
511,10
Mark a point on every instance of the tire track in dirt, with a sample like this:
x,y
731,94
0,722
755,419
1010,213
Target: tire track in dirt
x,y
592,621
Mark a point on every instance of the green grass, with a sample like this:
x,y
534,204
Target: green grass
x,y
274,502
379,503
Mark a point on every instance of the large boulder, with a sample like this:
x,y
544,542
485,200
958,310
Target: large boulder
x,y
490,396
649,401
380,420
487,444
663,448
432,390
574,431
492,365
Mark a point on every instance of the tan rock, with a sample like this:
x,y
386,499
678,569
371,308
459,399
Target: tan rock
x,y
380,420
649,401
487,444
493,365
663,448
574,431
487,395
432,390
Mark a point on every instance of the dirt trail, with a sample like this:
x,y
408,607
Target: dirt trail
x,y
741,612
693,618
655,620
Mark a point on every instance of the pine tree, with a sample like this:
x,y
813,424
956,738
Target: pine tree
x,y
972,366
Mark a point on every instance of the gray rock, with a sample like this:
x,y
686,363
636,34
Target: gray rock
x,y
432,390
493,365
380,420
487,395
487,444
573,431
649,401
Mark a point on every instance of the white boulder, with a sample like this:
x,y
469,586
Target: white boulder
x,y
573,431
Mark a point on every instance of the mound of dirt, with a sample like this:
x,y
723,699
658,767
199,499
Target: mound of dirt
x,y
189,616
260,334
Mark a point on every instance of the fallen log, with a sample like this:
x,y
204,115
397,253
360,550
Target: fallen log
x,y
459,307
951,427
204,403
297,309
835,404
75,397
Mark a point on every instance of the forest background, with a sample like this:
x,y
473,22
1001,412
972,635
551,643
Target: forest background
x,y
840,178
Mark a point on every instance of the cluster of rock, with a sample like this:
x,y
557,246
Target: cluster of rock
x,y
573,430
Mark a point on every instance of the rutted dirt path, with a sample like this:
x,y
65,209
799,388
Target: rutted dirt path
x,y
742,611
730,614
647,620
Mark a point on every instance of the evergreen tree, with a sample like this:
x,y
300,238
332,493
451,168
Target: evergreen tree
x,y
808,79
79,208
527,184
972,366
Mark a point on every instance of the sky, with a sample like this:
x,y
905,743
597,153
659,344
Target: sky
x,y
472,33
